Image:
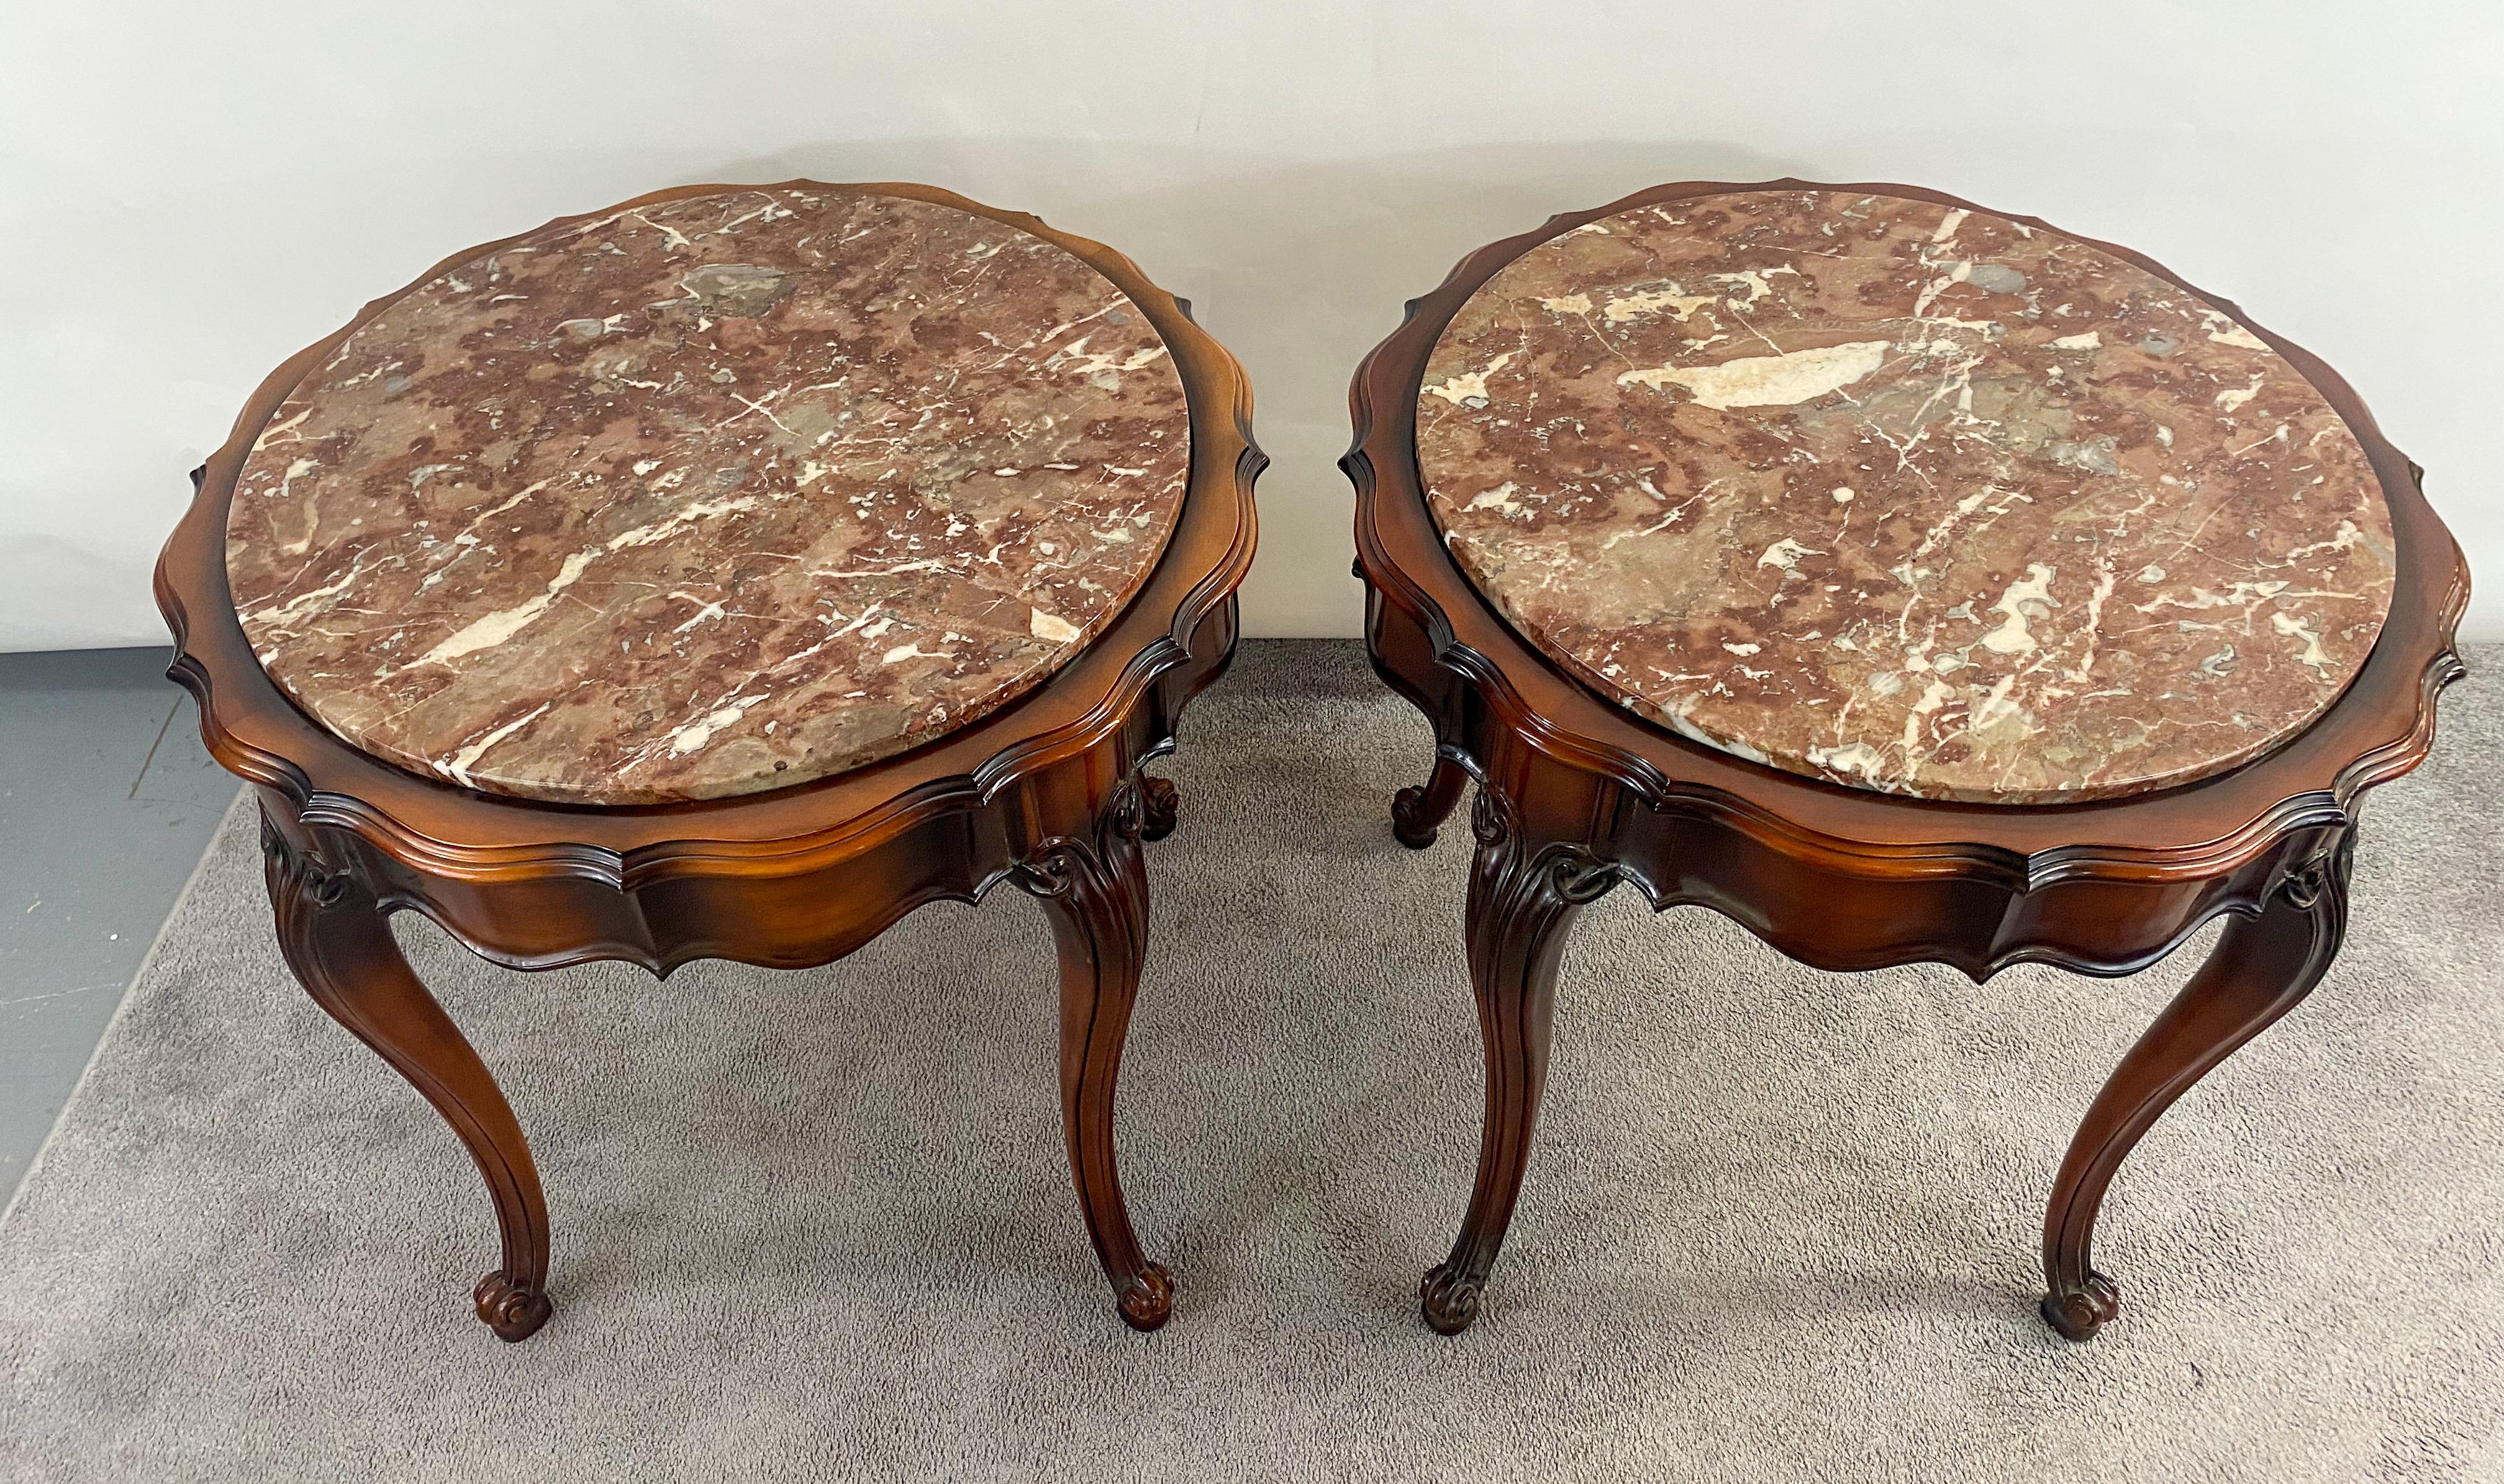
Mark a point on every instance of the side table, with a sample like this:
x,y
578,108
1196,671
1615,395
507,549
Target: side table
x,y
722,574
1908,583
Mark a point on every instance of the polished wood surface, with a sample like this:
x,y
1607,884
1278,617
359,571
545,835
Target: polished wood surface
x,y
1047,793
1576,795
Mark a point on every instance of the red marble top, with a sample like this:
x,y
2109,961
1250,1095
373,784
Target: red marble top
x,y
1904,496
708,497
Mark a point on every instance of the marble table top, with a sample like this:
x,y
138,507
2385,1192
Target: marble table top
x,y
708,497
1904,496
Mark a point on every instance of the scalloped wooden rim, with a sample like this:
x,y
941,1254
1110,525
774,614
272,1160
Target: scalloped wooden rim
x,y
255,731
2310,782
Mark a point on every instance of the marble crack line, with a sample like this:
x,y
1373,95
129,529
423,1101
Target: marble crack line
x,y
795,657
457,767
766,211
2346,539
1903,451
1578,305
749,406
484,516
693,736
677,238
2104,580
1957,378
494,628
1665,521
2279,436
284,616
588,228
1058,331
705,608
1750,327
1092,365
670,525
926,564
271,435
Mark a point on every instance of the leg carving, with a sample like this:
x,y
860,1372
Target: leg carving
x,y
340,947
1522,901
1417,813
2261,969
1158,803
1096,891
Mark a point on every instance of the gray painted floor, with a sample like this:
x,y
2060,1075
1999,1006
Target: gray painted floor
x,y
107,800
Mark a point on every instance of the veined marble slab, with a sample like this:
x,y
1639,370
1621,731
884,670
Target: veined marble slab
x,y
710,497
1905,498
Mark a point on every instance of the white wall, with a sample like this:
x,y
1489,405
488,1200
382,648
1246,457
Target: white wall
x,y
189,192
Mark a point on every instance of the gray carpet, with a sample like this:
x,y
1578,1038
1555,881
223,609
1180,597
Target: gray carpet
x,y
1781,1225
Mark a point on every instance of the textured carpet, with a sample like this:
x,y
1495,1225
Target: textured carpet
x,y
1779,1225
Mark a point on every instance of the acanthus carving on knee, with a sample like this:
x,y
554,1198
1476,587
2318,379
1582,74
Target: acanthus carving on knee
x,y
1057,865
298,872
1556,873
2309,883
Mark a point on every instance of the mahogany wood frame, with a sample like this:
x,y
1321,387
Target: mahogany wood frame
x,y
1577,794
1048,792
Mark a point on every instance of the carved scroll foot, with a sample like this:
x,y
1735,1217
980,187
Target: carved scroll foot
x,y
337,941
1146,1301
1096,892
513,1312
1449,1298
1158,804
1416,813
2079,1313
1523,895
2262,968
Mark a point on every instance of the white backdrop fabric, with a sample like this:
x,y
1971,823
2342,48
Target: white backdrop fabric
x,y
189,194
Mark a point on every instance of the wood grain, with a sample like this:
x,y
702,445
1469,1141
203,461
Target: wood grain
x,y
1848,879
788,879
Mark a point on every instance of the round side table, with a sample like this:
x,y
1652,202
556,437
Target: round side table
x,y
1907,583
722,574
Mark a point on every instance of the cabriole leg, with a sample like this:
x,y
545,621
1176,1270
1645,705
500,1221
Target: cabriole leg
x,y
1159,802
2261,968
1096,893
339,944
1521,902
1417,813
